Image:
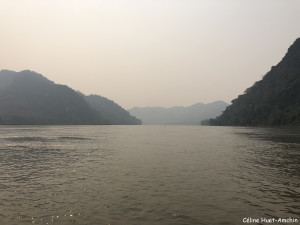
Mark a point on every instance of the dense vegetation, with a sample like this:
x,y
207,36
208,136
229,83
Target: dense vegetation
x,y
191,115
29,98
273,101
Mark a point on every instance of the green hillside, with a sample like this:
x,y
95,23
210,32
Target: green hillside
x,y
272,101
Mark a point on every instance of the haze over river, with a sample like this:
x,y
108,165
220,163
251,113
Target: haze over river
x,y
135,175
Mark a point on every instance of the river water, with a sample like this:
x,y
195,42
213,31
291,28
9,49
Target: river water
x,y
169,175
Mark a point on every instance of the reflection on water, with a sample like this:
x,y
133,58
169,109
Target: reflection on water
x,y
147,174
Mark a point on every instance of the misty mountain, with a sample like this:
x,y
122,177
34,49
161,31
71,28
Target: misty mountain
x,y
27,97
272,101
178,115
111,111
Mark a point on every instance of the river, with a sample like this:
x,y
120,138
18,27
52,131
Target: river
x,y
165,175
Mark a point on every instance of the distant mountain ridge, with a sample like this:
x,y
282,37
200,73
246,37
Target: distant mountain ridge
x,y
178,115
272,101
27,97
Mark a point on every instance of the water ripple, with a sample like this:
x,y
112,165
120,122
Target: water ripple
x,y
147,175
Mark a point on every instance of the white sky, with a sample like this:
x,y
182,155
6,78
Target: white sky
x,y
149,52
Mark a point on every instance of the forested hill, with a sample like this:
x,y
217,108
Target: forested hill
x,y
29,98
111,111
272,101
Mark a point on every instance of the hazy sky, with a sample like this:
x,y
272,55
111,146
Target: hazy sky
x,y
149,52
